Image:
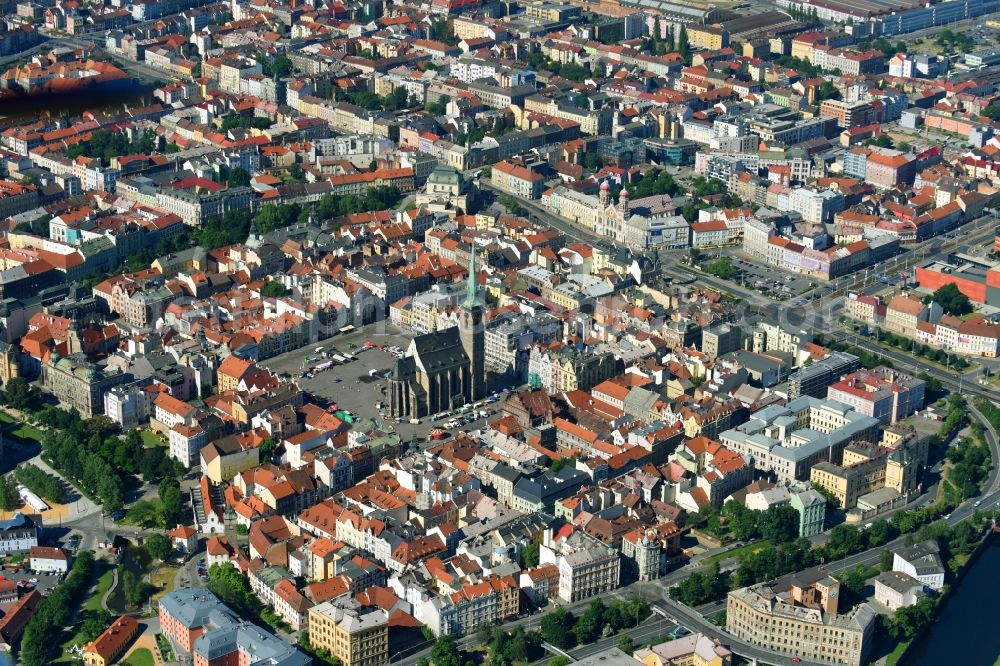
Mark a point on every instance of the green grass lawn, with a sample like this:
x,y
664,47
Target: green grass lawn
x,y
738,552
65,657
93,605
143,513
23,431
897,652
103,585
141,657
150,438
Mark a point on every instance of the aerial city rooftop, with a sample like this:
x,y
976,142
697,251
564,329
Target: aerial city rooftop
x,y
617,332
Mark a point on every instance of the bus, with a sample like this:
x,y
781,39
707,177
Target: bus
x,y
346,329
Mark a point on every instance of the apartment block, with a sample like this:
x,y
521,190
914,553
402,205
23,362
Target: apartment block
x,y
884,393
517,180
798,616
354,634
587,567
200,624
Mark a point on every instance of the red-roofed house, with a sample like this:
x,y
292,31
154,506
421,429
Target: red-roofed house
x,y
184,537
111,644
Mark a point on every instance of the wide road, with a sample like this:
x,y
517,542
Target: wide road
x,y
657,591
569,229
812,313
14,57
137,69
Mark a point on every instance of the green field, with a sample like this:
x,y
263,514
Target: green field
x,y
22,432
737,552
149,438
141,657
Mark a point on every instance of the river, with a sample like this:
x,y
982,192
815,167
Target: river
x,y
966,632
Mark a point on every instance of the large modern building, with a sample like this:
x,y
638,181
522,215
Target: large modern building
x,y
789,440
721,339
798,616
884,18
445,369
814,379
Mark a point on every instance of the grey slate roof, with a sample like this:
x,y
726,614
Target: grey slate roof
x,y
440,350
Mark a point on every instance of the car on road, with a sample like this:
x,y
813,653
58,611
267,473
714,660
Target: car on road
x,y
796,660
33,581
680,631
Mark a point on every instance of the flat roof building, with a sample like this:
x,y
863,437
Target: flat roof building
x,y
788,440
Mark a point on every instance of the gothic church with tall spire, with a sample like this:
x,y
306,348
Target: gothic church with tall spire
x,y
443,370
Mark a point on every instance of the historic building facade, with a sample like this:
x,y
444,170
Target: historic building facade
x,y
445,369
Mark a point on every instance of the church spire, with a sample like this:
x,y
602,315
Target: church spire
x,y
472,287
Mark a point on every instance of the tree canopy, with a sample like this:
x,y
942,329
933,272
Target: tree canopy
x,y
105,145
952,300
273,289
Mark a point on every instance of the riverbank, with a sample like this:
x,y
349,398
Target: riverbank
x,y
963,633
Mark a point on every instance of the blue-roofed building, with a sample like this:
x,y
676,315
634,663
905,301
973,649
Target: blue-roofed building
x,y
541,492
19,533
196,621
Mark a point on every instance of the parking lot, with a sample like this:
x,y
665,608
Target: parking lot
x,y
43,582
382,333
769,280
350,385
